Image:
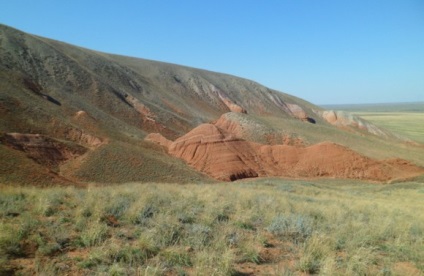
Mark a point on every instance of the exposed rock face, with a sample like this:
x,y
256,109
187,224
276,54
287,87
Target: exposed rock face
x,y
223,156
140,107
241,126
231,105
248,128
297,112
42,149
158,139
81,137
215,152
330,116
346,119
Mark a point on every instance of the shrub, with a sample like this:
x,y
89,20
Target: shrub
x,y
117,205
175,257
131,256
94,234
147,245
198,235
144,215
12,205
10,242
313,254
360,261
295,227
166,230
214,262
49,249
248,253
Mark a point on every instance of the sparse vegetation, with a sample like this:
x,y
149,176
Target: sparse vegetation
x,y
265,226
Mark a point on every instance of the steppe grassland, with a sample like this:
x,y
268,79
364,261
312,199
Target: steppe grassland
x,y
409,124
272,226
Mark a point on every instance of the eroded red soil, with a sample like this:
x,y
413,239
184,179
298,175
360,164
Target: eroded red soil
x,y
42,149
222,155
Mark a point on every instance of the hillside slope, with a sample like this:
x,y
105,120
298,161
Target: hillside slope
x,y
106,104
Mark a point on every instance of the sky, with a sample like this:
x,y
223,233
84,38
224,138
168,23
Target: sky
x,y
326,52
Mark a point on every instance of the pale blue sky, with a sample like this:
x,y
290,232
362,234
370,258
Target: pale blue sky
x,y
327,52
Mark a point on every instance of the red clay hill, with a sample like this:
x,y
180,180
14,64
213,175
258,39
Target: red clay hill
x,y
223,155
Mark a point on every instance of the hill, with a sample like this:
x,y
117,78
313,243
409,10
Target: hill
x,y
73,115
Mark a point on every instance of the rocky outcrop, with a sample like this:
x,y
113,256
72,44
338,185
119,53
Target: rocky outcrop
x,y
231,105
216,153
158,139
242,126
81,137
346,119
223,156
139,106
297,112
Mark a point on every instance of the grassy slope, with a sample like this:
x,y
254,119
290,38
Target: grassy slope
x,y
122,162
268,226
15,167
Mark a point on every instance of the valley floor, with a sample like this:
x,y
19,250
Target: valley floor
x,y
252,227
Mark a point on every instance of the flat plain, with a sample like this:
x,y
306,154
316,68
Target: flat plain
x,y
408,124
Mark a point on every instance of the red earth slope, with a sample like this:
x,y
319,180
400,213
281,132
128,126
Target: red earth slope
x,y
224,156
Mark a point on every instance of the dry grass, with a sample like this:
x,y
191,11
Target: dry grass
x,y
269,226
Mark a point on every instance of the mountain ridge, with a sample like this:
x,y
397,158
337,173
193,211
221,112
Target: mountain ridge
x,y
107,103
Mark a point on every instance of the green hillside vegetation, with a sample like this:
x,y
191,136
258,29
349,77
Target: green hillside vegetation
x,y
17,168
256,227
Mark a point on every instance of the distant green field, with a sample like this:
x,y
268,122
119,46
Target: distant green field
x,y
417,107
406,119
408,124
